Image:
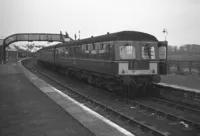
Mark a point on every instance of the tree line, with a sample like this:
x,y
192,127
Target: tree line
x,y
184,48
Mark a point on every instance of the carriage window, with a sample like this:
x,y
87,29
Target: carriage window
x,y
127,52
86,48
97,46
83,47
162,52
148,52
104,47
108,46
90,47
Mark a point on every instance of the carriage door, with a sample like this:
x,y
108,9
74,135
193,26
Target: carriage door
x,y
162,48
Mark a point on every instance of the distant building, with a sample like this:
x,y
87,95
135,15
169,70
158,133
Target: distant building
x,y
173,48
182,49
170,48
190,48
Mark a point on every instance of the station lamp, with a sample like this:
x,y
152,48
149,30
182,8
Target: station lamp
x,y
166,33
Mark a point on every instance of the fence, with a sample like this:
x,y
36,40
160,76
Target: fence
x,y
184,67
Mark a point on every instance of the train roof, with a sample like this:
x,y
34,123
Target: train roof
x,y
123,35
120,36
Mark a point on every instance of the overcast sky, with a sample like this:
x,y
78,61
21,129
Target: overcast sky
x,y
96,17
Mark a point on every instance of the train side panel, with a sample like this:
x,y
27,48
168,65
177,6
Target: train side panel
x,y
94,59
99,66
46,56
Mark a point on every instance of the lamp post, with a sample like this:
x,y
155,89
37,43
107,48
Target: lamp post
x,y
79,34
166,33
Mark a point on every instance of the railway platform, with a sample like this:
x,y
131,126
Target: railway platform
x,y
26,111
31,107
187,83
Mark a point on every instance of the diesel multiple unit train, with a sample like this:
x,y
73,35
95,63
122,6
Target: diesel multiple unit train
x,y
127,62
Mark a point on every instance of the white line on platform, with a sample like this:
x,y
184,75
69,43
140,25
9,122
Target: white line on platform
x,y
122,130
180,87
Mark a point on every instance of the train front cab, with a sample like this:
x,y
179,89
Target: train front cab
x,y
140,65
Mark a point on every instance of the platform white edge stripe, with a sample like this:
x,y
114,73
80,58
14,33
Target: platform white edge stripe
x,y
179,87
122,130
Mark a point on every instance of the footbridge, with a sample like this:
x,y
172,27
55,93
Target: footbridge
x,y
31,37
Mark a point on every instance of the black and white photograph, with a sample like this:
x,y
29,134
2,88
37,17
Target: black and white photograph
x,y
99,68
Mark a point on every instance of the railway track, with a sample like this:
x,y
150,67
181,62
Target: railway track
x,y
141,117
182,106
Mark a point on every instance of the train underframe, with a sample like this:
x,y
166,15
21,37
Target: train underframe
x,y
127,86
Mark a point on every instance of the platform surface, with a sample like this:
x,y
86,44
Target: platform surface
x,y
32,107
26,111
188,83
